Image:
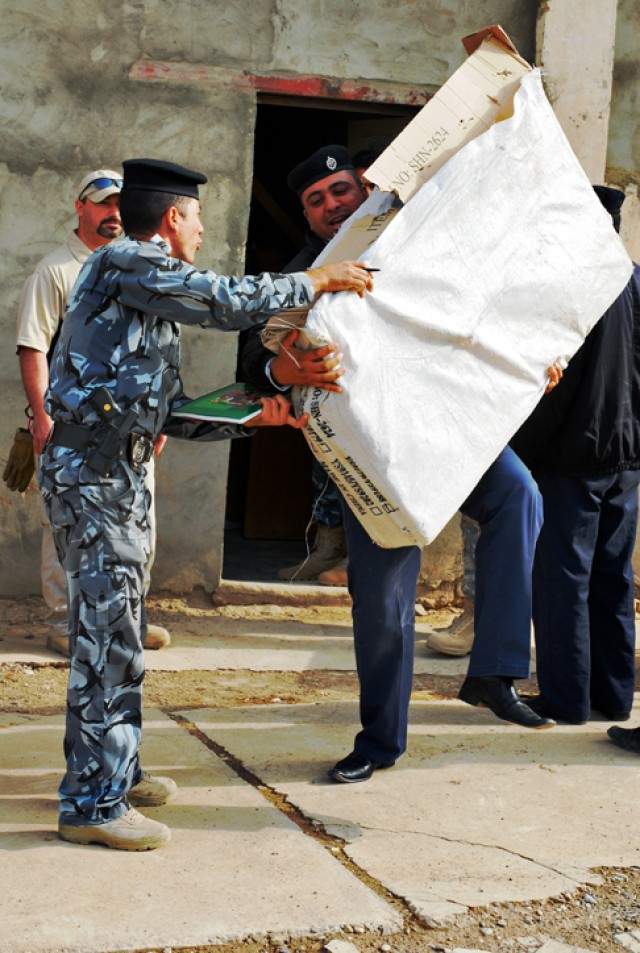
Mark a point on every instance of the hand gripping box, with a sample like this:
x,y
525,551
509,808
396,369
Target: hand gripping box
x,y
500,261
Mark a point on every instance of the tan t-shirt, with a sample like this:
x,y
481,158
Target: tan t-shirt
x,y
46,292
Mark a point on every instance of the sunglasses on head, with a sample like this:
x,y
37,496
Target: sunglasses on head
x,y
101,184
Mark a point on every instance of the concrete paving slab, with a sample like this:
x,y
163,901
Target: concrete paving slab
x,y
236,865
629,941
477,812
340,946
553,946
259,645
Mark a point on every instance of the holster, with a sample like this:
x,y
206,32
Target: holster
x,y
104,443
103,446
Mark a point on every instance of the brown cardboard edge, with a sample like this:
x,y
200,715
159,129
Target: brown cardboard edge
x,y
473,41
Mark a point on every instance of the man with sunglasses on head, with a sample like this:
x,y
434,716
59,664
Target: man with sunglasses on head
x,y
40,313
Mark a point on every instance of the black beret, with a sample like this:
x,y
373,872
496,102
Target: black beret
x,y
318,166
612,199
156,175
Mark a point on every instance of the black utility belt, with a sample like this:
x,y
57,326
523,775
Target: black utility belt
x,y
103,446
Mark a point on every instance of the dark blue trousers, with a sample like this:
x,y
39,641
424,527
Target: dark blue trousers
x,y
382,582
583,593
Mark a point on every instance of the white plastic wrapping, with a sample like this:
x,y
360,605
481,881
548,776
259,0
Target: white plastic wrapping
x,y
499,265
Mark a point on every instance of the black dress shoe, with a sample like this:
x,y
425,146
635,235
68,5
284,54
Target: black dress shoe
x,y
355,767
613,715
627,738
540,705
498,694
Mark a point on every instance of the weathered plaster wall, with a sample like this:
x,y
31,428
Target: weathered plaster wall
x,y
584,65
593,82
411,42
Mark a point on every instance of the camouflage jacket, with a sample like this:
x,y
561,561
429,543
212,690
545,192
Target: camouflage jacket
x,y
122,329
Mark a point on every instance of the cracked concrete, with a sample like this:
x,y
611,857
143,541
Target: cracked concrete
x,y
236,865
262,843
476,812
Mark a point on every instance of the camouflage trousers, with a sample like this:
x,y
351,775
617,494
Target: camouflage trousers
x,y
54,583
101,532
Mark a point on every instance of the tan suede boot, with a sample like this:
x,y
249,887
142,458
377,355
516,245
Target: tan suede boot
x,y
131,831
58,642
458,638
157,637
336,576
328,549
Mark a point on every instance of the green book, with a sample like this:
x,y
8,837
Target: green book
x,y
235,403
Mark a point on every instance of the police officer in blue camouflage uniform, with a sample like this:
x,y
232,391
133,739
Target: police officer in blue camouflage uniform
x,y
115,380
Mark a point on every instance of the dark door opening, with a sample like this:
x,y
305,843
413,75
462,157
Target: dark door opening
x,y
269,495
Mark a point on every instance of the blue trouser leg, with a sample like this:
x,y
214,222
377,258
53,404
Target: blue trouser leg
x,y
583,593
611,598
507,505
382,584
327,502
101,534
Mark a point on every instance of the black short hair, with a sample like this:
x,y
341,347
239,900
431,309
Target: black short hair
x,y
365,157
142,211
612,200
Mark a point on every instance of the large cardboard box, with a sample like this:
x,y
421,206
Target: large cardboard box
x,y
477,95
500,261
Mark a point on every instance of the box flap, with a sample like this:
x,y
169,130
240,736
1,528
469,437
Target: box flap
x,y
478,94
473,41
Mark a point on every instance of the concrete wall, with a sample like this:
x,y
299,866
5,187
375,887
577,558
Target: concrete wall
x,y
593,82
76,96
578,74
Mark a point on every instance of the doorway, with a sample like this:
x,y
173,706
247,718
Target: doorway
x,y
269,494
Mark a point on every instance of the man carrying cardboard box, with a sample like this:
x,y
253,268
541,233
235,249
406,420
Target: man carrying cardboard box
x,y
449,356
329,190
506,504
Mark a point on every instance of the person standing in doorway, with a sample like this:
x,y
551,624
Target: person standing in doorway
x,y
329,190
